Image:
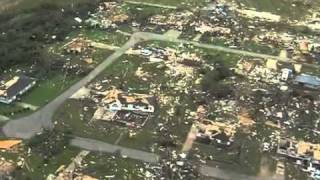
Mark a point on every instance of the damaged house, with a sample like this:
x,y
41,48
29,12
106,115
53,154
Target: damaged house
x,y
109,16
116,100
77,45
306,154
18,85
203,28
216,132
131,110
177,20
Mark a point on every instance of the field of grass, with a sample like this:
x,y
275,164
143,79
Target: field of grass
x,y
26,5
68,117
48,89
39,168
282,7
111,38
101,165
247,46
12,110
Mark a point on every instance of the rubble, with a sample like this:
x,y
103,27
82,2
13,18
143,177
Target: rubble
x,y
109,15
127,109
307,154
262,15
216,132
78,45
177,20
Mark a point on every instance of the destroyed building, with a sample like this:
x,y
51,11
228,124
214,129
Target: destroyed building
x,y
215,132
77,45
116,100
128,109
108,16
306,154
177,20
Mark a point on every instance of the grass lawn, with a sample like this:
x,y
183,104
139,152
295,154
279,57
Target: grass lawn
x,y
282,7
40,168
48,89
102,164
12,110
247,46
69,120
32,4
112,38
245,157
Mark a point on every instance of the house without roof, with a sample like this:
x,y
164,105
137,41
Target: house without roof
x,y
116,100
18,85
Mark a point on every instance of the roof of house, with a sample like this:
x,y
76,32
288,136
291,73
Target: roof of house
x,y
308,79
12,87
8,144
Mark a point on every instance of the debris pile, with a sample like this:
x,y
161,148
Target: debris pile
x,y
109,15
216,132
172,166
175,20
129,109
307,155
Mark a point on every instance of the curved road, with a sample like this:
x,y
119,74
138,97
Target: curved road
x,y
28,126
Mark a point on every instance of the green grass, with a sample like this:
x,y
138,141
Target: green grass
x,y
32,4
46,90
12,110
247,46
260,48
282,7
69,120
40,169
102,164
112,38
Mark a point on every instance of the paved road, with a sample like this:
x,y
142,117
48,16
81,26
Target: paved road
x,y
28,126
94,145
160,37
